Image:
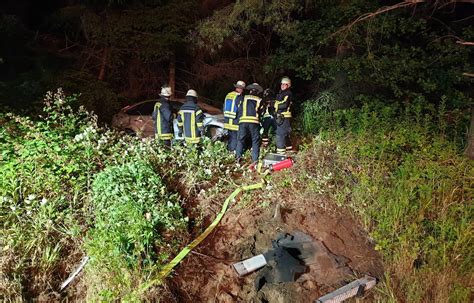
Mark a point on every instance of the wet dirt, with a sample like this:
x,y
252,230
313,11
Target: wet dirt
x,y
343,254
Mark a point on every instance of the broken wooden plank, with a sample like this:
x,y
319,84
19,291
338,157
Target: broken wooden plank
x,y
355,288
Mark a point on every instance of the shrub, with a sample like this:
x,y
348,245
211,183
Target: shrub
x,y
48,166
401,168
43,175
132,212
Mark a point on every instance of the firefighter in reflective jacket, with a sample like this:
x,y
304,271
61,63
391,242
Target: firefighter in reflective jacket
x,y
249,124
282,112
190,119
231,123
163,117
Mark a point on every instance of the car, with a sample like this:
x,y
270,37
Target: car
x,y
136,119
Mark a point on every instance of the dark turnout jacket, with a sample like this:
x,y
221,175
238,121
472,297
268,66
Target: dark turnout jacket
x,y
231,105
283,103
250,109
190,120
163,120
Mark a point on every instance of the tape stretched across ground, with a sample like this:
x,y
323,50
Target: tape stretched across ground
x,y
169,267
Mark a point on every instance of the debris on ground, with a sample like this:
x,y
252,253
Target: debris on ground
x,y
74,274
341,250
353,289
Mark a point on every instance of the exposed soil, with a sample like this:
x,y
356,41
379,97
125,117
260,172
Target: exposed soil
x,y
343,253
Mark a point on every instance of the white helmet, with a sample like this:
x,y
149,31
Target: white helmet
x,y
286,80
192,93
166,91
240,84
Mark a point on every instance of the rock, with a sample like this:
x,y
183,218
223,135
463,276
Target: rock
x,y
310,285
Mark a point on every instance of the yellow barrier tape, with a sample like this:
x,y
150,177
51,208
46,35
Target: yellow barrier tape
x,y
169,267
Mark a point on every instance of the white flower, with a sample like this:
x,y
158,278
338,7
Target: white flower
x,y
43,201
31,197
28,212
13,208
148,216
78,137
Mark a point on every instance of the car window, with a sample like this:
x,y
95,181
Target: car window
x,y
144,109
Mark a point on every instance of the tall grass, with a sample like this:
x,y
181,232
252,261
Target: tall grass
x,y
401,168
49,165
69,188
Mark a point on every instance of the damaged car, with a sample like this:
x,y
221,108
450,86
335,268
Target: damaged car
x,y
136,119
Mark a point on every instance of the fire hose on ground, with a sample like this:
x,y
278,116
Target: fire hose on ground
x,y
272,162
185,251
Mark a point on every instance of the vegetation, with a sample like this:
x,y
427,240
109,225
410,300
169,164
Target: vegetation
x,y
70,188
132,212
381,102
401,169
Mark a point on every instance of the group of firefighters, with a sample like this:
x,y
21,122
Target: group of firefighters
x,y
244,116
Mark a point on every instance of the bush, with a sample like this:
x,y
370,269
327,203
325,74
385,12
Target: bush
x,y
69,187
46,202
401,168
133,212
43,175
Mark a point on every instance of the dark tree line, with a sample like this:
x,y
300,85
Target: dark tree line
x,y
120,51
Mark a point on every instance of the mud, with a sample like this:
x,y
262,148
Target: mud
x,y
343,253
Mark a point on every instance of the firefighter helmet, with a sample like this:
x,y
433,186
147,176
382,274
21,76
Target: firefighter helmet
x,y
192,93
166,91
286,80
240,84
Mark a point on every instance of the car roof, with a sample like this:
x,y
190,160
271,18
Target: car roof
x,y
206,107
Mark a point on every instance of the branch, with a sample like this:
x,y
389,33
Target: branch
x,y
385,9
377,12
468,75
465,43
68,47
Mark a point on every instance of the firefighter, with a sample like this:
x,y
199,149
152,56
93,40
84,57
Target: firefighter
x,y
163,117
231,123
190,119
282,112
268,121
249,124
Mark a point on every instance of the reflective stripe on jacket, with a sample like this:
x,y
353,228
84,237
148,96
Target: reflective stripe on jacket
x,y
231,105
190,121
249,109
283,103
163,120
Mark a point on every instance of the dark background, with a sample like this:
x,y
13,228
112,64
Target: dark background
x,y
119,52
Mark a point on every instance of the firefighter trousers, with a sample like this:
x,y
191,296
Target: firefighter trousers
x,y
283,142
269,126
233,139
246,130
